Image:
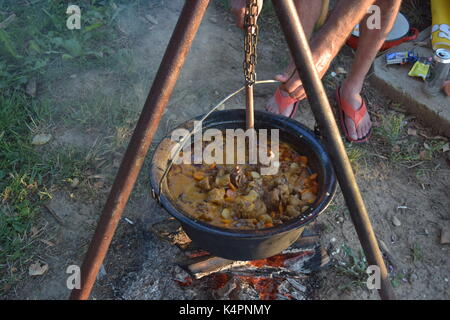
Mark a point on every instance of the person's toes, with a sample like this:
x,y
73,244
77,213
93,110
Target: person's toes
x,y
288,111
352,132
272,109
272,106
359,131
364,130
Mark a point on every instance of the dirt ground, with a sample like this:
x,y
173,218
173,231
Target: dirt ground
x,y
139,265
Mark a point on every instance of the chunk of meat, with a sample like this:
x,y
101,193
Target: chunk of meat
x,y
223,181
274,198
216,196
205,211
237,177
257,186
295,201
284,192
204,184
251,209
292,211
260,208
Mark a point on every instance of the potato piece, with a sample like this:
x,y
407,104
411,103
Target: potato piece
x,y
255,175
308,196
251,196
226,214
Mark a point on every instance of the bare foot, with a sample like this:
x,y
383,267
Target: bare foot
x,y
353,97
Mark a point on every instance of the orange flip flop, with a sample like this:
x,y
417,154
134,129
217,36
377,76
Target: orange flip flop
x,y
284,102
345,109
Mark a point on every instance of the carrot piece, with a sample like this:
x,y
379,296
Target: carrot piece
x,y
313,176
268,225
198,175
213,166
232,187
225,221
302,160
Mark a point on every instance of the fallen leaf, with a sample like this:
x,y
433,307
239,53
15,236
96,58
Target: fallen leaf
x,y
7,21
151,19
75,182
412,132
34,231
97,176
31,87
38,268
7,287
445,236
41,139
47,242
423,155
98,184
396,222
341,70
396,148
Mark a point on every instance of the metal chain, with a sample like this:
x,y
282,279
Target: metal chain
x,y
250,41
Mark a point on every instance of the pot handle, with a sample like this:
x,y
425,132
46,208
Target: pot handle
x,y
182,143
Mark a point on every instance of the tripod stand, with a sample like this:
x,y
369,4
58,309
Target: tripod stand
x,y
158,97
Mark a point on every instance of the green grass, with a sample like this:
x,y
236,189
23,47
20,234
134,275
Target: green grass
x,y
38,45
26,176
391,129
401,148
416,253
22,180
38,37
354,269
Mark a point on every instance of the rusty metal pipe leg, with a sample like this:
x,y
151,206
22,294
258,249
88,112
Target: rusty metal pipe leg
x,y
299,47
165,80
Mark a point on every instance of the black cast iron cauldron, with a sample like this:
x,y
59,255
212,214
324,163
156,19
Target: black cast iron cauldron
x,y
250,244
